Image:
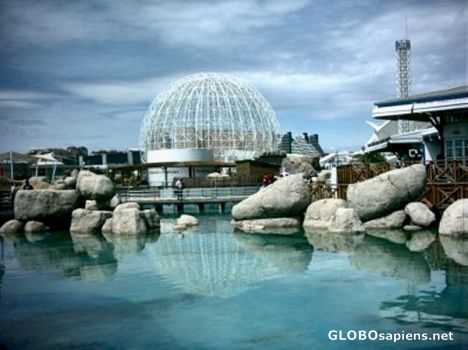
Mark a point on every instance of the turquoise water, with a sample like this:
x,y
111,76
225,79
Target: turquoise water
x,y
214,289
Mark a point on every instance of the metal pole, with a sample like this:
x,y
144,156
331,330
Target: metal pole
x,y
12,170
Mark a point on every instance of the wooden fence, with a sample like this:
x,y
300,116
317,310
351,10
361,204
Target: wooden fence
x,y
446,182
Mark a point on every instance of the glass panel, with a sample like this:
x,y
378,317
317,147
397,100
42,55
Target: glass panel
x,y
458,143
448,149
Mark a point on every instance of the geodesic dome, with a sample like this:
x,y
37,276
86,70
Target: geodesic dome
x,y
214,111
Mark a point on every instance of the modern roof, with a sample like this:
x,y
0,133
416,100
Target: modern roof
x,y
453,93
420,107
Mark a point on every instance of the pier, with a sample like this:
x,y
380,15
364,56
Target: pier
x,y
158,197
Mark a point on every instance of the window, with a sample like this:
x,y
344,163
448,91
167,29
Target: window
x,y
456,149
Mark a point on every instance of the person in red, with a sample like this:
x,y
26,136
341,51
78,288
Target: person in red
x,y
266,180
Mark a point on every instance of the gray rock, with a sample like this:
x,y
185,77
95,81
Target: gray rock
x,y
115,201
456,248
45,205
39,183
274,226
91,204
420,214
93,186
412,228
12,227
391,221
85,221
75,173
387,192
287,197
107,227
298,166
152,218
420,241
397,236
346,220
70,182
320,213
35,227
128,220
184,221
455,219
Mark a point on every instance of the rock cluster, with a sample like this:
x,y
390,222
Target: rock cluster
x,y
86,203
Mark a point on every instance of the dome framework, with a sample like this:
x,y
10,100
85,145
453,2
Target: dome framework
x,y
214,111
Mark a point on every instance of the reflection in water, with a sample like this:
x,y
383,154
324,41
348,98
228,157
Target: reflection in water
x,y
390,260
2,264
394,236
223,265
455,248
333,242
447,308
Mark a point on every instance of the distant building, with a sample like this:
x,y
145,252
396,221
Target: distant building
x,y
104,158
302,145
68,156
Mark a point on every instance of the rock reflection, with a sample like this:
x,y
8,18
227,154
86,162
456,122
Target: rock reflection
x,y
390,260
130,244
223,265
333,242
395,236
455,248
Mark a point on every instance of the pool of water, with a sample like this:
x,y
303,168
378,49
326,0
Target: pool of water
x,y
213,288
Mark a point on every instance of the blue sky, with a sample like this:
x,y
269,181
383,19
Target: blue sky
x,y
84,73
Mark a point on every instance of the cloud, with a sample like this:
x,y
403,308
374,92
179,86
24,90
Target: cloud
x,y
24,99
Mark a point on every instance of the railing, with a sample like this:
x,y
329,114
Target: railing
x,y
159,194
5,200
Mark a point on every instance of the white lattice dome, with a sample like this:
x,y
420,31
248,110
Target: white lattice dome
x,y
214,111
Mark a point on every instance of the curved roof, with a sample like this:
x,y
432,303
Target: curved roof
x,y
211,110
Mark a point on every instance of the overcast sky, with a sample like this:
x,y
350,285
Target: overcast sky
x,y
84,72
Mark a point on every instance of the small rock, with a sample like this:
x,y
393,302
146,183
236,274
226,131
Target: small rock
x,y
420,214
93,186
127,219
346,220
412,228
70,182
91,204
391,221
320,213
12,227
35,227
187,220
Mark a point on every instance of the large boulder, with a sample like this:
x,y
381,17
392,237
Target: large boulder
x,y
35,227
387,192
320,213
12,227
287,197
128,220
346,220
420,214
45,205
85,221
274,226
455,219
93,186
390,221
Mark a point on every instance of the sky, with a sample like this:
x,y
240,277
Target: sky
x,y
85,72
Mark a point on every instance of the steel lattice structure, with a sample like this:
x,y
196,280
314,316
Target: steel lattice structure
x,y
403,52
210,110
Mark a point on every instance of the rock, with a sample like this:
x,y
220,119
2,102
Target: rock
x,y
39,183
107,227
298,166
115,201
187,220
45,205
420,241
412,228
128,220
274,226
93,186
346,220
387,192
59,187
91,204
12,227
75,173
391,221
420,214
320,213
456,248
85,221
455,219
287,197
35,227
70,182
397,236
152,218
